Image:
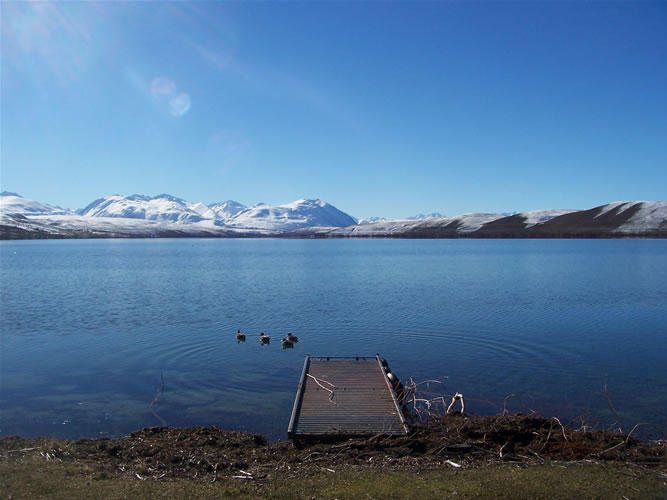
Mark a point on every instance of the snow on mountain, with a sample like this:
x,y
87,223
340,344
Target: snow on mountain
x,y
168,216
295,215
203,210
540,216
227,209
12,203
651,216
384,228
434,215
163,207
617,207
77,225
644,216
466,223
140,215
370,220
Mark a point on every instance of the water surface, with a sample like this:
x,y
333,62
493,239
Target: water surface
x,y
91,329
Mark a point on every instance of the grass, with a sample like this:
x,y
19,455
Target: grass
x,y
33,478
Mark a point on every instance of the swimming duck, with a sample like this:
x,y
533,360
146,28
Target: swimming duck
x,y
264,339
286,343
240,337
292,338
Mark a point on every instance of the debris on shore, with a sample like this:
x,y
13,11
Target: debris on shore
x,y
457,441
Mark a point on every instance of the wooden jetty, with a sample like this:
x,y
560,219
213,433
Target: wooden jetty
x,y
345,397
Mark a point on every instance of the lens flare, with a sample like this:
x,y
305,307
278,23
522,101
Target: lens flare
x,y
166,94
179,105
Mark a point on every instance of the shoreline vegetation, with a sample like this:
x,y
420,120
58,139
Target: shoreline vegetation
x,y
505,456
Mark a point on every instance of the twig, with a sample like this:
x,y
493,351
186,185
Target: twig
x,y
427,382
304,459
483,449
561,427
331,393
505,412
625,441
455,398
613,410
160,391
321,380
548,436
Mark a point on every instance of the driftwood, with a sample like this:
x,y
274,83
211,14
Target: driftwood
x,y
457,397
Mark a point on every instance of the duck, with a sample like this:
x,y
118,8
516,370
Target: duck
x,y
264,339
292,338
240,337
286,343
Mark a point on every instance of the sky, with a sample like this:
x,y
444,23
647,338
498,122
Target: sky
x,y
380,108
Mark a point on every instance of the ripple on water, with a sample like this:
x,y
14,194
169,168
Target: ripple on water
x,y
551,319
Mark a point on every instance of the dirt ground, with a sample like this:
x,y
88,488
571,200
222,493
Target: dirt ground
x,y
162,453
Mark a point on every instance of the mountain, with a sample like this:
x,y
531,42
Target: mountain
x,y
434,215
167,208
613,220
295,215
370,220
162,215
16,204
163,207
227,209
444,227
167,216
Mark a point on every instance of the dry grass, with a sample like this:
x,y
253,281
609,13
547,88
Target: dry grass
x,y
32,478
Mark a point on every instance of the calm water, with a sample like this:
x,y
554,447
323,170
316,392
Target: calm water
x,y
91,328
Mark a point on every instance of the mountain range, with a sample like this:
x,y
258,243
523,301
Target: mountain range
x,y
168,216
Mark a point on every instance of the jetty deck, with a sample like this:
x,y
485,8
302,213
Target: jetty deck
x,y
345,397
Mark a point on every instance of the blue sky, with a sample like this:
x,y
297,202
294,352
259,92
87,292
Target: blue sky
x,y
382,109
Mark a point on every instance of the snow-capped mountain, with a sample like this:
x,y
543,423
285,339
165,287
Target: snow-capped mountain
x,y
619,219
370,220
168,216
167,208
430,227
162,215
295,215
434,215
12,203
227,209
163,207
541,216
649,216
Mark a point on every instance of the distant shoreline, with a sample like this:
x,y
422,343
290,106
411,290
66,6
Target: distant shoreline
x,y
11,234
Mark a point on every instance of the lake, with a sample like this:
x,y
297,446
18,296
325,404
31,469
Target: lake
x,y
103,337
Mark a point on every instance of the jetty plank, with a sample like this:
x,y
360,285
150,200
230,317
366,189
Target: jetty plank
x,y
343,397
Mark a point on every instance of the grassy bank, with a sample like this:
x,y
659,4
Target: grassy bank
x,y
512,456
31,478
